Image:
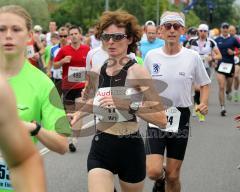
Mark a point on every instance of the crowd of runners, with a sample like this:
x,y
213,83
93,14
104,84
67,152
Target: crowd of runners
x,y
120,72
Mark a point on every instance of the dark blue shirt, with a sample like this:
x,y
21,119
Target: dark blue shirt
x,y
224,44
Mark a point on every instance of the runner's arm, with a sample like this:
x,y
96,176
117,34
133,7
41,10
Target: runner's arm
x,y
52,140
152,109
204,95
216,54
60,59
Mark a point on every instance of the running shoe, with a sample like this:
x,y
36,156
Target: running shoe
x,y
72,147
223,112
201,117
159,185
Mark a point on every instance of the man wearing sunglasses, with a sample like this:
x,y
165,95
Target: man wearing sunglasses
x,y
72,59
179,68
209,52
225,67
57,73
152,42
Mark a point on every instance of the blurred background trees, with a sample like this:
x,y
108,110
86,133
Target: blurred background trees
x,y
85,13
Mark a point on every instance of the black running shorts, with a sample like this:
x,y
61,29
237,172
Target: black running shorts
x,y
174,143
122,155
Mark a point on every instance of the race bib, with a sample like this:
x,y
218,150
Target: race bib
x,y
225,67
30,51
4,176
173,119
76,74
111,114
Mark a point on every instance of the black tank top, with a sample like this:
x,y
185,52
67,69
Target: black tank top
x,y
118,80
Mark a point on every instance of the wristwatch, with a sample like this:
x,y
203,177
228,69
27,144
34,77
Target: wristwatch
x,y
36,130
133,107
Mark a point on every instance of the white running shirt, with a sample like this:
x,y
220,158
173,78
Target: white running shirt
x,y
96,57
179,71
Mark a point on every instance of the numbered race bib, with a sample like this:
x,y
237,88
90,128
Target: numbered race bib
x,y
76,74
225,67
4,176
173,118
30,51
111,114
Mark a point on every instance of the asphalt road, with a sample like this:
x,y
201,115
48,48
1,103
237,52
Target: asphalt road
x,y
210,163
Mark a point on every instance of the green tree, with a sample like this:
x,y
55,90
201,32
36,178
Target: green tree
x,y
150,9
134,7
83,13
236,16
38,9
86,12
222,11
192,20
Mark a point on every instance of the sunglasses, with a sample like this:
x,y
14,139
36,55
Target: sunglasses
x,y
63,36
203,31
175,26
115,36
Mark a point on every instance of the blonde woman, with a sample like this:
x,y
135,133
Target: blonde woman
x,y
39,105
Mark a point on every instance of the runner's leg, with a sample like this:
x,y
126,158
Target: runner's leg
x,y
221,83
100,180
173,175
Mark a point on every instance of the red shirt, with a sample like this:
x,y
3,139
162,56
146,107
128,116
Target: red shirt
x,y
236,49
70,76
31,50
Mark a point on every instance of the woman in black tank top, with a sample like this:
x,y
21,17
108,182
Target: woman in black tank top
x,y
123,153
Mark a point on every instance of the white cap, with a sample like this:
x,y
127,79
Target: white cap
x,y
203,27
149,23
37,28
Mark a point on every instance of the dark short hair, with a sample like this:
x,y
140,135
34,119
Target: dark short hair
x,y
224,24
192,31
75,27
